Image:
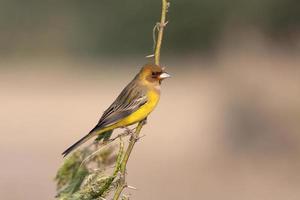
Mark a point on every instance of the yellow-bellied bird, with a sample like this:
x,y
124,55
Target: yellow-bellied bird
x,y
134,104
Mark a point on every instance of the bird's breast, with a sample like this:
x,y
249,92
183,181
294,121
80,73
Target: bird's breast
x,y
147,108
153,98
143,111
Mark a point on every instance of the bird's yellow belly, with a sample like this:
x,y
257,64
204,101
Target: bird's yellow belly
x,y
142,112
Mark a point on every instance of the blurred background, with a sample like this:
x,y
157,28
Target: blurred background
x,y
227,125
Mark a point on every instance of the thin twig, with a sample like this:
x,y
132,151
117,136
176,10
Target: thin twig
x,y
135,136
155,28
131,187
122,182
161,27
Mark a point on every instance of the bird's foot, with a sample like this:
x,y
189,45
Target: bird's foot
x,y
144,121
136,138
127,130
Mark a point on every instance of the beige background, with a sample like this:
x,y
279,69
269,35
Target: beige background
x,y
227,125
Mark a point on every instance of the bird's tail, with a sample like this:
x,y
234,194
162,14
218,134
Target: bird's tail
x,y
78,143
92,133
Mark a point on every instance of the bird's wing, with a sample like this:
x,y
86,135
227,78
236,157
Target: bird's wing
x,y
130,100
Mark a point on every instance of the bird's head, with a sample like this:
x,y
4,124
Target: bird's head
x,y
153,73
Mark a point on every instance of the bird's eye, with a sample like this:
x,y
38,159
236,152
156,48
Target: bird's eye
x,y
153,73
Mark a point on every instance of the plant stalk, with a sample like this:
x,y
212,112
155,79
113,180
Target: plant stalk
x,y
161,27
134,137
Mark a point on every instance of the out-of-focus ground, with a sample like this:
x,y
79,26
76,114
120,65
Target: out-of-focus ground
x,y
227,126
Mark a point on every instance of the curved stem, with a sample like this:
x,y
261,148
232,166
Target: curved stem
x,y
133,139
161,27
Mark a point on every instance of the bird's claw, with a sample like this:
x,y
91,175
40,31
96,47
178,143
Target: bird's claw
x,y
128,131
144,122
136,138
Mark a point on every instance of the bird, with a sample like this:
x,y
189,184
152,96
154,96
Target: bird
x,y
136,101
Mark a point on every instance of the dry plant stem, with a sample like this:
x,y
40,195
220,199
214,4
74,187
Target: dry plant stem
x,y
161,31
133,139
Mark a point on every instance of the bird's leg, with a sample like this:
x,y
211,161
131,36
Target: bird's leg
x,y
136,138
144,121
133,136
127,131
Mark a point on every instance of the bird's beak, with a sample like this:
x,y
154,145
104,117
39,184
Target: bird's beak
x,y
164,75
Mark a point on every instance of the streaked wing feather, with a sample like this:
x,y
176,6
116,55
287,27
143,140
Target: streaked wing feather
x,y
130,100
